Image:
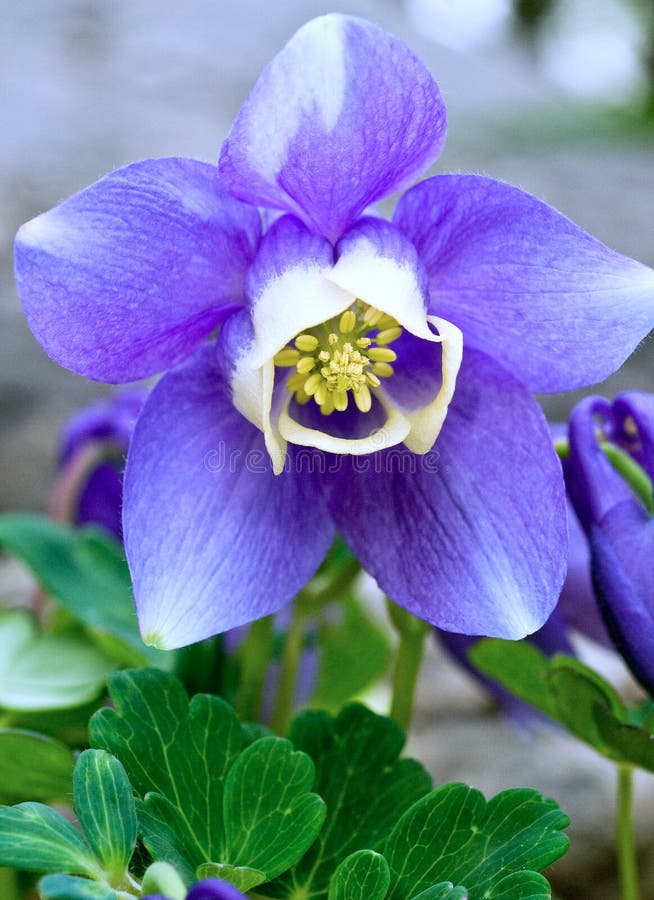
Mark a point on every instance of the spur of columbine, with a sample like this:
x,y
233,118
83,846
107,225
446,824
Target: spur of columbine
x,y
315,377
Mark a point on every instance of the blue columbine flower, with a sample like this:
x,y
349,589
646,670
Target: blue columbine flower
x,y
619,527
338,364
91,459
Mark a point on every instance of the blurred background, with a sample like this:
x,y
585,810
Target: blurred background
x,y
556,97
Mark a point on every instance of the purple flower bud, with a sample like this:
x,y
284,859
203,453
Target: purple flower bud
x,y
89,488
619,528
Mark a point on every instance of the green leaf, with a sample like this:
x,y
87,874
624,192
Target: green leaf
x,y
521,886
68,887
242,877
207,799
34,766
42,671
104,805
269,812
364,784
519,666
572,694
87,573
443,891
354,653
454,834
363,875
38,839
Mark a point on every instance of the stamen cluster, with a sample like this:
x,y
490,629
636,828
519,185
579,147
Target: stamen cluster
x,y
348,354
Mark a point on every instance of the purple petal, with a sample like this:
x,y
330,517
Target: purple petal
x,y
622,547
470,537
214,889
127,278
101,500
213,538
577,604
345,114
524,284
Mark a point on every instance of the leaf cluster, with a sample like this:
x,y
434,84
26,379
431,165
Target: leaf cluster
x,y
332,812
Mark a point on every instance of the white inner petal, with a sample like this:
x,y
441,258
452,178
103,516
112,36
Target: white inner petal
x,y
384,283
299,298
427,422
393,431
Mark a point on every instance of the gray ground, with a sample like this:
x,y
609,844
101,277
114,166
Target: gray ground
x,y
87,87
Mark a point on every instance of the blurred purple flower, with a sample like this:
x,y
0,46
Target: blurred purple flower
x,y
252,449
208,889
620,529
93,446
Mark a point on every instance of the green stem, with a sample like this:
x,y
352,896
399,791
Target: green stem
x,y
255,656
625,466
627,867
281,715
412,633
342,578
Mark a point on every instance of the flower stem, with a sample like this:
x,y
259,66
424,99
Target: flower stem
x,y
412,633
283,710
627,868
255,657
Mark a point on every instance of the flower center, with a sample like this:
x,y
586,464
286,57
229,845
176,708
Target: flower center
x,y
345,354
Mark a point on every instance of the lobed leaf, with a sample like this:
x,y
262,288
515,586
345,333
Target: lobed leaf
x,y
208,799
362,781
363,875
454,835
104,805
36,838
68,887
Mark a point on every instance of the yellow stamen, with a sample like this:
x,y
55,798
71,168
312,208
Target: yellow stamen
x,y
321,394
363,398
305,364
382,354
295,382
340,400
312,383
306,342
287,356
372,316
327,408
347,322
382,369
388,335
346,353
